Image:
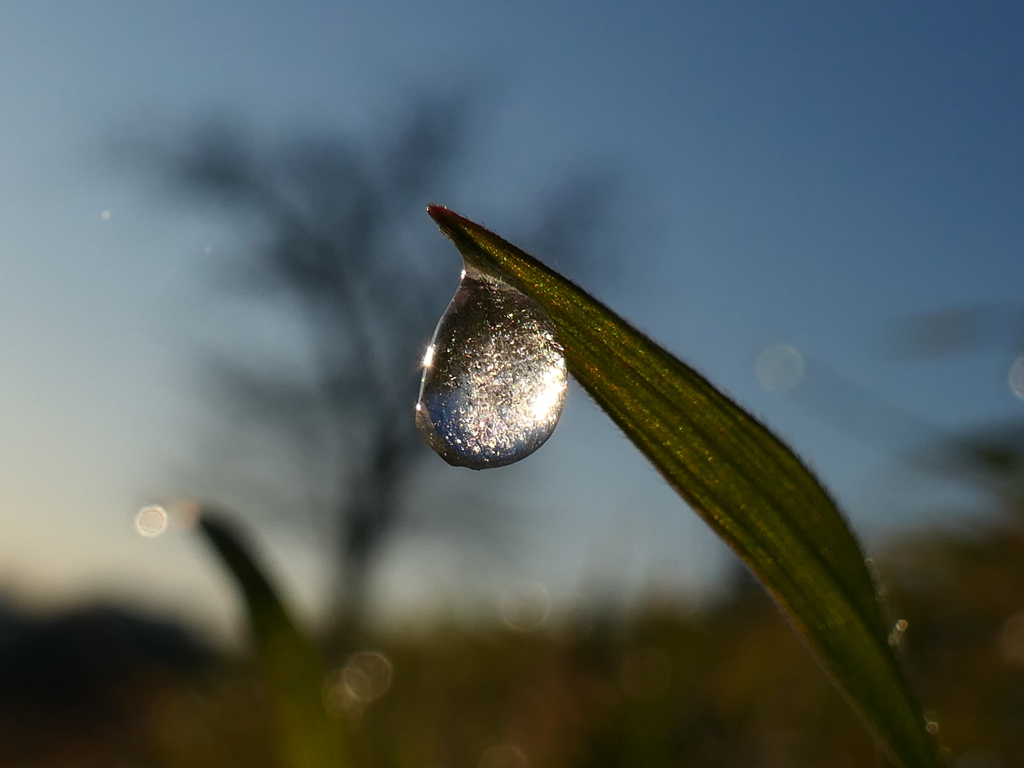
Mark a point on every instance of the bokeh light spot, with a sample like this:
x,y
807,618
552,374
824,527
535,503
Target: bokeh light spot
x,y
150,521
365,677
525,606
779,368
898,630
1016,377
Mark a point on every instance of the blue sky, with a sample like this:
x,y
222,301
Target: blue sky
x,y
792,172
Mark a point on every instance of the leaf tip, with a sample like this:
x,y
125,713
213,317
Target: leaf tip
x,y
465,234
455,227
442,216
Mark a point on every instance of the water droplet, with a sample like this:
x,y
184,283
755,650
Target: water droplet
x,y
494,376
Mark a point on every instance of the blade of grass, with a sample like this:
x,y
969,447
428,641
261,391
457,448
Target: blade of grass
x,y
307,737
748,486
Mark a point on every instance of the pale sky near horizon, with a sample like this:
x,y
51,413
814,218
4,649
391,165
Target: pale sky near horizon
x,y
792,173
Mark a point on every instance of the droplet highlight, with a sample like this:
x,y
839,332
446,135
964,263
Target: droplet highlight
x,y
494,376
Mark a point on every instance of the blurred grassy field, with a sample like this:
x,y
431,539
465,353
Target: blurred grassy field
x,y
729,685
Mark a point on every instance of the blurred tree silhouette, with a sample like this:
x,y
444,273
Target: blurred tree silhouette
x,y
337,215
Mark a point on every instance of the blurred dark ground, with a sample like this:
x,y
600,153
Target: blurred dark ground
x,y
727,685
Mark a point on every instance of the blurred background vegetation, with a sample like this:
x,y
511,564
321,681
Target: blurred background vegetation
x,y
664,684
818,206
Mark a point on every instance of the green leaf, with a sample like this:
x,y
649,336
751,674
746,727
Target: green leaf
x,y
307,737
748,486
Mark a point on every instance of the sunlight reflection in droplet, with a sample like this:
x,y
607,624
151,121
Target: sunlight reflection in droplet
x,y
525,606
779,368
150,521
503,756
365,677
550,394
1016,377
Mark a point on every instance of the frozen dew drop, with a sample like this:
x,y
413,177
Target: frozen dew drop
x,y
494,376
